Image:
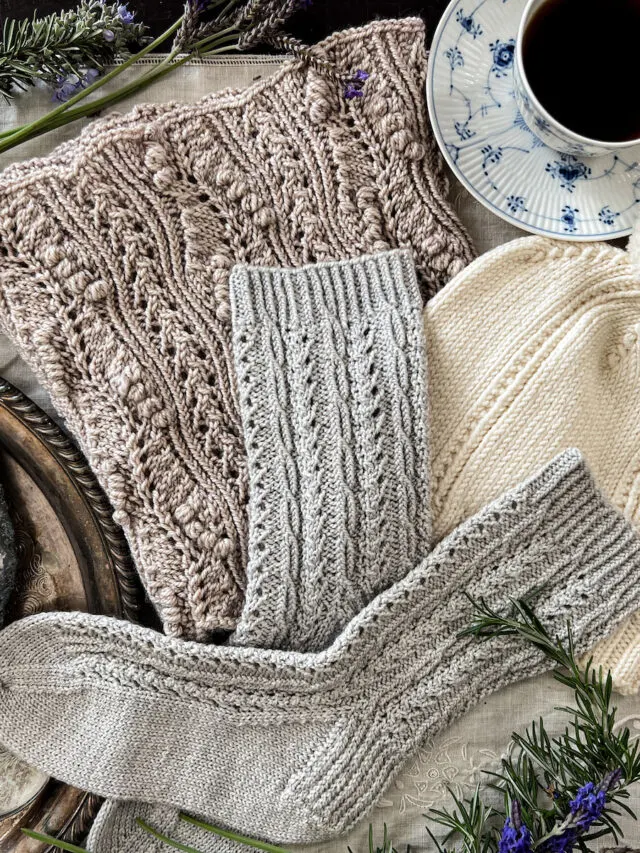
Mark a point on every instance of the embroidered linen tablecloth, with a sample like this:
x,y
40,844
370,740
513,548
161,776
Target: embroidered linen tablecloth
x,y
457,757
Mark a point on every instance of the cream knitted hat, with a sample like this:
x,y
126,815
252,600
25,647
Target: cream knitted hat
x,y
115,255
533,348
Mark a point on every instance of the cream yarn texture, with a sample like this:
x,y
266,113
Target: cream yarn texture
x,y
114,270
533,348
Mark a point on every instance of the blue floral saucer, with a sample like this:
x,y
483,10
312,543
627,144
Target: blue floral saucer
x,y
492,151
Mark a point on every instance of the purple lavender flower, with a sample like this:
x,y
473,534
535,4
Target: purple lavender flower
x,y
588,804
355,84
560,843
125,15
66,87
90,76
108,35
612,779
514,839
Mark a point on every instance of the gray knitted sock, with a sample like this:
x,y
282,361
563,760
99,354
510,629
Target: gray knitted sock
x,y
297,746
330,365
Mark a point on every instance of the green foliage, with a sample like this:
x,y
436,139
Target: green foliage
x,y
65,44
207,27
542,775
387,846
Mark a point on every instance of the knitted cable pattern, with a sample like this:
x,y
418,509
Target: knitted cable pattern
x,y
330,364
298,746
560,367
115,255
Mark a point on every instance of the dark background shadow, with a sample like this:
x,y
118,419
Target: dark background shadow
x,y
321,19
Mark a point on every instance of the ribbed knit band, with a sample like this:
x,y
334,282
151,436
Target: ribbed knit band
x,y
115,255
299,746
331,372
8,556
533,348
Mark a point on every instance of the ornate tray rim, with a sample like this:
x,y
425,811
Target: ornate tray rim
x,y
129,590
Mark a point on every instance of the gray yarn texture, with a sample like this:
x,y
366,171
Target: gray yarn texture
x,y
330,360
331,374
298,746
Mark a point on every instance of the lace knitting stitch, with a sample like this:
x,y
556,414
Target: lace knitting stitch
x,y
330,365
114,261
297,746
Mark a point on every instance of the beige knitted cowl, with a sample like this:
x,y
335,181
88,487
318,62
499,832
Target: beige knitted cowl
x,y
114,262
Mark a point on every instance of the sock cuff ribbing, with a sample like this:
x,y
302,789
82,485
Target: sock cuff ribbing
x,y
341,290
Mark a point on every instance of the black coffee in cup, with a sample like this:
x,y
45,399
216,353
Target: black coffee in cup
x,y
582,61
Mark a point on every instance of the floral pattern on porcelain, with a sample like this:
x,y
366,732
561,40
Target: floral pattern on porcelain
x,y
503,56
503,151
568,169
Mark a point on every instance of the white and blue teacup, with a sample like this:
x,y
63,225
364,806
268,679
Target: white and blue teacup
x,y
540,121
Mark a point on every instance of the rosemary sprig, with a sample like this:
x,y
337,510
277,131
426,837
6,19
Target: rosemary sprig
x,y
560,792
61,49
207,27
